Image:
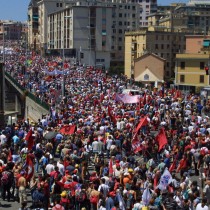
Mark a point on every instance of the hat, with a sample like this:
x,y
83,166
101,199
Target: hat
x,y
64,194
130,170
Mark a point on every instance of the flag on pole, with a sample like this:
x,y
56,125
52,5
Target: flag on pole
x,y
161,139
110,167
165,180
146,197
136,144
30,140
68,129
30,168
143,121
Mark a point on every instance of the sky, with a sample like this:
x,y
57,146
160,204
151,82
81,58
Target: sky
x,y
17,9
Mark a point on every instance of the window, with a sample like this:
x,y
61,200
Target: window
x,y
156,46
202,65
120,31
182,65
201,78
57,4
120,14
103,43
146,77
120,23
61,5
182,78
119,48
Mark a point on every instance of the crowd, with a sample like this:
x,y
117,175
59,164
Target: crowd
x,y
93,152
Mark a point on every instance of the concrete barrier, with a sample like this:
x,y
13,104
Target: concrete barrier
x,y
33,110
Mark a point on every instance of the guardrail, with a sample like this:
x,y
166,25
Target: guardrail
x,y
27,93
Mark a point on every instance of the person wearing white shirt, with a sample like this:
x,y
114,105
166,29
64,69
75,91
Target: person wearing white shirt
x,y
202,205
61,167
3,139
49,168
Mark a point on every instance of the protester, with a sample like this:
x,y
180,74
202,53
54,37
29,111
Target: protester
x,y
101,149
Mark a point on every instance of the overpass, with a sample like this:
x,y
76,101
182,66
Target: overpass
x,y
23,103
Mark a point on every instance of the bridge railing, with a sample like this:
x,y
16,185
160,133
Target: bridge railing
x,y
14,81
27,93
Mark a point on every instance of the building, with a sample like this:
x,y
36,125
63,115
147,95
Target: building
x,y
164,44
191,66
83,32
148,7
191,18
149,69
127,15
12,29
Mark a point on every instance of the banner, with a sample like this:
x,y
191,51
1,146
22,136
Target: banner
x,y
127,99
165,180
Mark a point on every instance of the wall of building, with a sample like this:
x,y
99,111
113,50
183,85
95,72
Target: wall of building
x,y
194,43
152,63
33,111
192,70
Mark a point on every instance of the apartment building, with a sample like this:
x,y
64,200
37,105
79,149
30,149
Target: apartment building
x,y
38,11
82,31
163,43
126,15
12,30
191,18
190,72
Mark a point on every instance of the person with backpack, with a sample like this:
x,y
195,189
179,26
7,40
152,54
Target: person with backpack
x,y
7,180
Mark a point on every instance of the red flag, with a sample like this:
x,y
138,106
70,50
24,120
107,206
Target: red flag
x,y
68,129
173,166
136,144
182,164
30,140
161,139
110,167
144,99
30,168
143,121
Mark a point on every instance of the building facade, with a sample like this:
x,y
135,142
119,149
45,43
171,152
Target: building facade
x,y
126,15
191,65
83,32
164,44
149,68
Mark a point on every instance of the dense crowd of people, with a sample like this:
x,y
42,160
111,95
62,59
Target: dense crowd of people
x,y
95,152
